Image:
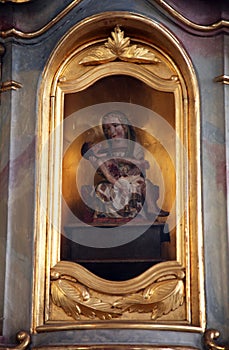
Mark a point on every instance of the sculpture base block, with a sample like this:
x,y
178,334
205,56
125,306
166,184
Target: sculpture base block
x,y
120,262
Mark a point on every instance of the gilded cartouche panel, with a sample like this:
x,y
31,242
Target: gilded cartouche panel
x,y
170,293
72,80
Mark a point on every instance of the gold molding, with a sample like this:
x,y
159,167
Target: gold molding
x,y
224,79
54,326
168,82
219,25
210,336
24,340
2,50
10,85
157,292
15,1
47,26
114,347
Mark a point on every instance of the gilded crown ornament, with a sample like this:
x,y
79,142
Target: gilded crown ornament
x,y
119,47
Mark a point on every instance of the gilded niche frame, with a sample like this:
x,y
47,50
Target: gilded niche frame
x,y
170,294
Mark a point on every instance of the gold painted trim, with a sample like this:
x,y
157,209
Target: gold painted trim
x,y
2,50
169,84
210,336
52,22
219,25
224,79
24,340
54,326
115,347
10,85
15,1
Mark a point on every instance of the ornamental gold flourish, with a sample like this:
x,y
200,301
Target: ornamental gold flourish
x,y
159,298
75,300
210,336
24,340
119,48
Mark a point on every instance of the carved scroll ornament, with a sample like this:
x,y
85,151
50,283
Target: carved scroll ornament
x,y
210,336
23,339
159,297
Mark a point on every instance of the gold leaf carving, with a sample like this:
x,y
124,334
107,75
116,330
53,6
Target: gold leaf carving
x,y
82,294
99,55
119,44
75,300
160,298
119,47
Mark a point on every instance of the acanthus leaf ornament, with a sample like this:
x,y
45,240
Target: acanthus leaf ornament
x,y
159,299
119,47
76,301
77,298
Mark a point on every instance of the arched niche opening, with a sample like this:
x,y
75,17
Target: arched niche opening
x,y
152,82
114,93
